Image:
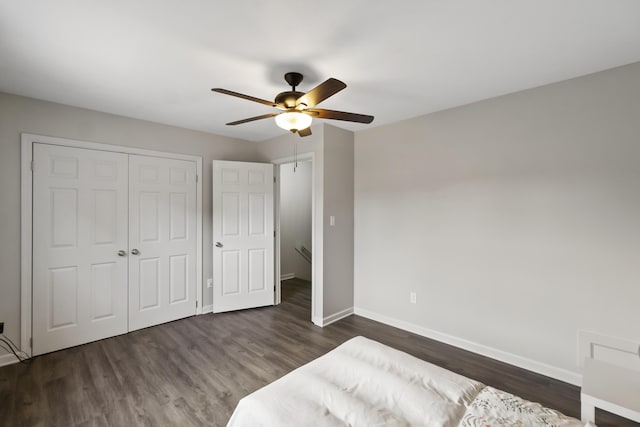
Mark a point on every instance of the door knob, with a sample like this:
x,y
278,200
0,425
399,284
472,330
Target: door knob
x,y
135,252
218,245
122,253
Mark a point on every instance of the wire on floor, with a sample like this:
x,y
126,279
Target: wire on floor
x,y
20,355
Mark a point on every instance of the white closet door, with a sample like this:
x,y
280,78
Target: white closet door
x,y
162,240
79,226
242,235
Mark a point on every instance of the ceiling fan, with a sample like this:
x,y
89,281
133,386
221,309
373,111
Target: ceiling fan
x,y
297,108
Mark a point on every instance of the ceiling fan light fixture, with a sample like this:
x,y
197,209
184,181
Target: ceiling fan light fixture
x,y
298,108
293,121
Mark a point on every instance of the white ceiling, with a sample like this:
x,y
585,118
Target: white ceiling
x,y
158,59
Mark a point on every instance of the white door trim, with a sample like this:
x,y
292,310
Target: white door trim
x,y
316,265
26,191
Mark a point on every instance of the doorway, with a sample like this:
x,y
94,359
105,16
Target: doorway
x,y
296,241
296,255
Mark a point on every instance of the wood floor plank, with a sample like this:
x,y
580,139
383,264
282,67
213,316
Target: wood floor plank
x,y
192,372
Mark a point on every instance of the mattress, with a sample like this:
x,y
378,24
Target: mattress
x,y
365,383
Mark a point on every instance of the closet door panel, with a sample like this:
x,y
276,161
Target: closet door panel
x,y
162,239
79,226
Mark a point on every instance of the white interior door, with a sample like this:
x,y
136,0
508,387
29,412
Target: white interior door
x,y
242,235
79,226
162,240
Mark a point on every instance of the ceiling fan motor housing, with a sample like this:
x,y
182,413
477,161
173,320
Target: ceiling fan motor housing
x,y
288,99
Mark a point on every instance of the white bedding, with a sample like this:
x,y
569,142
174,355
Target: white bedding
x,y
365,383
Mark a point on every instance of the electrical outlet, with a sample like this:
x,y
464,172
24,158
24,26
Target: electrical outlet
x,y
209,283
1,327
413,298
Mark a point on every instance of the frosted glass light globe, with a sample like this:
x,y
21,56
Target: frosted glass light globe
x,y
293,121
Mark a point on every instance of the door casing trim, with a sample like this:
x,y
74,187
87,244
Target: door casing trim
x,y
26,218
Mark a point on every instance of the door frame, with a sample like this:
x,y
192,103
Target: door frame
x,y
26,218
316,263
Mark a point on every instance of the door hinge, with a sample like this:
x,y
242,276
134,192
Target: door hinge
x,y
31,343
274,233
196,303
196,178
274,179
31,165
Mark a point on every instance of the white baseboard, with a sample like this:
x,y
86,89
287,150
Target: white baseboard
x,y
287,276
8,359
207,309
503,356
335,317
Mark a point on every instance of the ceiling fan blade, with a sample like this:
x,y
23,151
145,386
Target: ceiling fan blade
x,y
321,92
251,119
305,132
247,97
340,115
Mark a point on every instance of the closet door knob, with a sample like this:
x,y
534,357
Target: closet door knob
x,y
135,252
218,245
122,253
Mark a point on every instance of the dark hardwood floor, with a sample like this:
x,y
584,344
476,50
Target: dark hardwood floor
x,y
192,372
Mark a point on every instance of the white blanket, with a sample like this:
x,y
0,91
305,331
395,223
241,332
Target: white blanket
x,y
365,383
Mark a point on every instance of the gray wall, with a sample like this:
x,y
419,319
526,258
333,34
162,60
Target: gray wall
x,y
19,114
295,218
516,220
338,201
